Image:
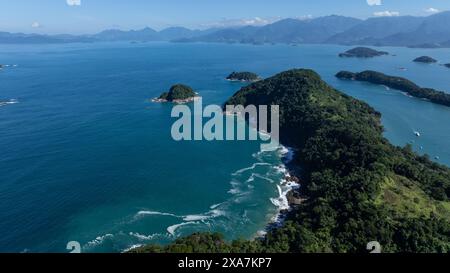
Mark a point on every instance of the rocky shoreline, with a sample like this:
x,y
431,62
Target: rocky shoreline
x,y
183,101
294,196
244,81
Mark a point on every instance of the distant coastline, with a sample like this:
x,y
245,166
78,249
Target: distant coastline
x,y
421,32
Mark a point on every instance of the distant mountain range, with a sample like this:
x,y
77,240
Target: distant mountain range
x,y
431,31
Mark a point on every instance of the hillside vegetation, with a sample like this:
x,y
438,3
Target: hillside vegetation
x,y
359,187
398,83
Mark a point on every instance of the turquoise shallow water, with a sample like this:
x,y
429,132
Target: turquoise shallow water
x,y
86,156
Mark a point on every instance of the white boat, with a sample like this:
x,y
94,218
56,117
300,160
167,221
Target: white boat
x,y
417,133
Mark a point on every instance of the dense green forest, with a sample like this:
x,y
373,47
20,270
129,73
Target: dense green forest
x,y
398,83
178,92
359,187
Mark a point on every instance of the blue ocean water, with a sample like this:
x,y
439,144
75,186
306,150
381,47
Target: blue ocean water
x,y
85,156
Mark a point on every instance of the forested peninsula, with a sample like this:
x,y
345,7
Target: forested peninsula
x,y
358,187
398,83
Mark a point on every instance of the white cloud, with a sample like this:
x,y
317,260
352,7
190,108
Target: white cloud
x,y
305,17
386,13
255,21
35,25
374,2
432,10
73,2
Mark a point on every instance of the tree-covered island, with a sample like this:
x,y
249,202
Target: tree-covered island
x,y
398,83
363,52
425,59
178,93
243,77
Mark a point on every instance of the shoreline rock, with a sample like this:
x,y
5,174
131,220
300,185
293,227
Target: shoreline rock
x,y
294,196
188,100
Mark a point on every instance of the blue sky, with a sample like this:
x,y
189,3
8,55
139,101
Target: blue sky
x,y
89,16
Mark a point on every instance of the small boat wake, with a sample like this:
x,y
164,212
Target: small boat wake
x,y
8,102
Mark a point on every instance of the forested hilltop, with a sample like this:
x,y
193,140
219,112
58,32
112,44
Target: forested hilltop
x,y
359,187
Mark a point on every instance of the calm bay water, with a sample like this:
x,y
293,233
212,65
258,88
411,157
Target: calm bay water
x,y
86,157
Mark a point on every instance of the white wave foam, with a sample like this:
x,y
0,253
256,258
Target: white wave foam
x,y
250,168
281,169
148,212
251,179
144,237
132,247
213,213
282,201
100,239
198,217
215,206
171,230
216,213
202,217
261,233
263,178
234,191
287,153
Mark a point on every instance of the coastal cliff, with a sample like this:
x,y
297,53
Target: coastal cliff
x,y
359,187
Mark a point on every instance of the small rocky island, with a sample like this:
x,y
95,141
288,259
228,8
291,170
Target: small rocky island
x,y
447,65
363,52
244,77
425,59
398,83
178,93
